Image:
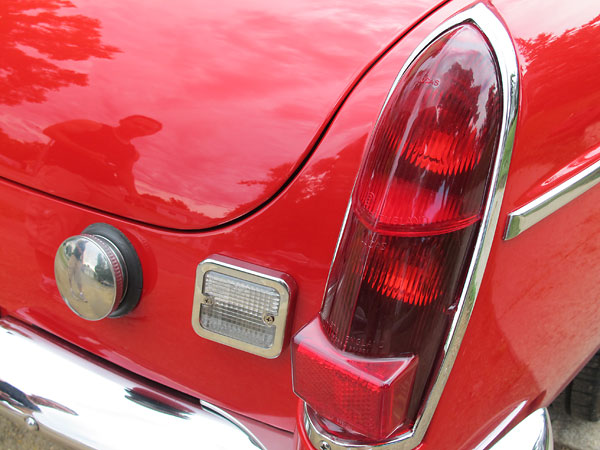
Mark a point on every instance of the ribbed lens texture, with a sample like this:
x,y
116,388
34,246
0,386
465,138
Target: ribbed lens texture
x,y
429,157
237,309
388,295
364,395
416,208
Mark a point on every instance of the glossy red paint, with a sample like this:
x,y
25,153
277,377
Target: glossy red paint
x,y
192,114
156,340
536,319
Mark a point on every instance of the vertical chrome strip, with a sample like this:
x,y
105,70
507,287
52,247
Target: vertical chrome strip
x,y
540,208
502,46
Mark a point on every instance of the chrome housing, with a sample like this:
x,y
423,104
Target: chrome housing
x,y
532,433
278,282
91,275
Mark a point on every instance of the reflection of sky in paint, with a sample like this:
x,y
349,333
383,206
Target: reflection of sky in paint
x,y
239,88
557,18
559,124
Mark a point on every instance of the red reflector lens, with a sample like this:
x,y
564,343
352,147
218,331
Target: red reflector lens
x,y
404,253
367,396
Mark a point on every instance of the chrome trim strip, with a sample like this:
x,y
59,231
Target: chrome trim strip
x,y
500,41
532,433
501,427
67,396
540,208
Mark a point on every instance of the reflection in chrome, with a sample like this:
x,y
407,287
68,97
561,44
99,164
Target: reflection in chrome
x,y
540,208
501,427
150,399
501,43
87,405
91,276
533,433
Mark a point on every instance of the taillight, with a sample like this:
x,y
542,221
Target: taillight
x,y
395,285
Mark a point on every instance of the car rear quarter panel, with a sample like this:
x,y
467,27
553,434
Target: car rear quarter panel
x,y
158,68
536,319
296,234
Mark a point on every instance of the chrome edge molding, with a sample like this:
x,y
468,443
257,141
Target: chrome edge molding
x,y
253,276
491,27
532,433
84,404
501,427
540,208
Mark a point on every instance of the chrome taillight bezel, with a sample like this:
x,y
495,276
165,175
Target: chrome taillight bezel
x,y
501,44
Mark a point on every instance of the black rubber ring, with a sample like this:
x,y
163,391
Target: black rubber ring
x,y
135,279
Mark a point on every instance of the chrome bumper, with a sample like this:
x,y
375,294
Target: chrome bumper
x,y
83,403
532,433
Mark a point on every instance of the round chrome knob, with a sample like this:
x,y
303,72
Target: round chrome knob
x,y
91,275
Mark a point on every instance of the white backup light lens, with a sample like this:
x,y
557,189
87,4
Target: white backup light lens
x,y
239,309
241,305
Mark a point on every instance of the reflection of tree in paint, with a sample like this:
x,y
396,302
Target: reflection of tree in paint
x,y
564,65
102,271
34,34
575,45
28,403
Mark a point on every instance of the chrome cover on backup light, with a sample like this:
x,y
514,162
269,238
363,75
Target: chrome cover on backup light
x,y
500,42
241,305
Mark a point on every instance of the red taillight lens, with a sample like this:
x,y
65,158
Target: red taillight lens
x,y
429,158
414,217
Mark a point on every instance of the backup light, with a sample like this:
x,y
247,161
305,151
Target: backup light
x,y
241,305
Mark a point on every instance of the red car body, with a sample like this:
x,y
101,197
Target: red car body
x,y
239,130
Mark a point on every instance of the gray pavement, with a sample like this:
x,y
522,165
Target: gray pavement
x,y
569,434
13,437
573,434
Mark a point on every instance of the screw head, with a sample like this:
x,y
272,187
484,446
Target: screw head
x,y
324,446
31,423
269,319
